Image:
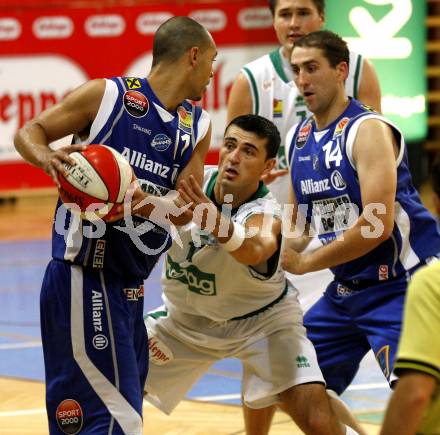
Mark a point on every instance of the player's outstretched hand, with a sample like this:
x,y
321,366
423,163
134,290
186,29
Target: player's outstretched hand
x,y
273,175
55,161
294,262
192,194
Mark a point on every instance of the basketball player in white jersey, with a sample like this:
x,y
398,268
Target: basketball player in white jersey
x,y
226,296
265,86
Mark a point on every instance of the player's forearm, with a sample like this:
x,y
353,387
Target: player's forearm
x,y
352,244
31,143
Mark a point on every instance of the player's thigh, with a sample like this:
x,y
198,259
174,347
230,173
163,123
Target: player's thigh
x,y
89,350
381,322
174,368
277,361
340,345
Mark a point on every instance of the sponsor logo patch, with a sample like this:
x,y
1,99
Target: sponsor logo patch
x,y
310,186
382,357
141,161
185,119
302,361
136,104
337,181
142,129
383,272
134,294
159,352
99,340
133,82
98,256
197,281
303,135
341,290
69,416
315,162
277,108
340,127
161,142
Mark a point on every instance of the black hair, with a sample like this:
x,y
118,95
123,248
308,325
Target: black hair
x,y
263,128
335,49
176,36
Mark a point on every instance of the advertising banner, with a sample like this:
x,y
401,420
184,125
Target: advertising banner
x,y
392,34
46,52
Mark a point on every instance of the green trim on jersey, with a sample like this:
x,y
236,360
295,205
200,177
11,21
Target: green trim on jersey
x,y
277,62
156,314
254,90
357,74
261,192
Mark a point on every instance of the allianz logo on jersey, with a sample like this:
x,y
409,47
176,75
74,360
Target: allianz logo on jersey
x,y
197,281
139,160
310,186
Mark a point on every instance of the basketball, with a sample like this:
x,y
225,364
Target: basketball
x,y
96,182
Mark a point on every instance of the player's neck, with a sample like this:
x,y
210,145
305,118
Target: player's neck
x,y
332,112
239,195
166,88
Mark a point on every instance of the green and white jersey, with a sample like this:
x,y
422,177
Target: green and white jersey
x,y
202,278
276,97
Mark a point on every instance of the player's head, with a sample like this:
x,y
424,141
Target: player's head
x,y
435,180
249,148
320,62
295,18
183,43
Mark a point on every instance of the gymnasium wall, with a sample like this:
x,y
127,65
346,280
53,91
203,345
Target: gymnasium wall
x,y
48,47
47,50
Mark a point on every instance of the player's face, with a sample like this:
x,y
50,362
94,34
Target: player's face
x,y
315,78
203,71
293,19
243,159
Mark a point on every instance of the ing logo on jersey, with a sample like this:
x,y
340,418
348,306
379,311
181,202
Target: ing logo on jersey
x,y
340,127
133,82
277,108
382,357
185,119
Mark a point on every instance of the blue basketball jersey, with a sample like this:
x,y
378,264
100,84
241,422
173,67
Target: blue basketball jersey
x,y
325,183
157,144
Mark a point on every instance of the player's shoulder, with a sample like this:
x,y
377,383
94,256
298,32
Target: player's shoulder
x,y
259,66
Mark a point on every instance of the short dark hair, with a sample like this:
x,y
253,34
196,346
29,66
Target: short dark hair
x,y
263,128
176,36
319,4
435,175
335,49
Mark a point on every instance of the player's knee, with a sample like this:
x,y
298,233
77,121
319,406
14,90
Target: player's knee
x,y
318,422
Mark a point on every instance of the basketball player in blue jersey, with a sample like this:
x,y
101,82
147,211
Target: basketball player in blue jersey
x,y
265,86
350,181
94,338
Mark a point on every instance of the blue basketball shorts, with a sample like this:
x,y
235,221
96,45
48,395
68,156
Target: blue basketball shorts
x,y
95,350
348,321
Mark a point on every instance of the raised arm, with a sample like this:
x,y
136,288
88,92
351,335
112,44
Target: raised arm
x,y
369,88
240,98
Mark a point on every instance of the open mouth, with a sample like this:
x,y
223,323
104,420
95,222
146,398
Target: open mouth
x,y
231,172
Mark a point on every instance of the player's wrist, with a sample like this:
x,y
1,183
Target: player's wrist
x,y
237,238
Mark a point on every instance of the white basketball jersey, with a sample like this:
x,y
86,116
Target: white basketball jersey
x,y
202,278
276,97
